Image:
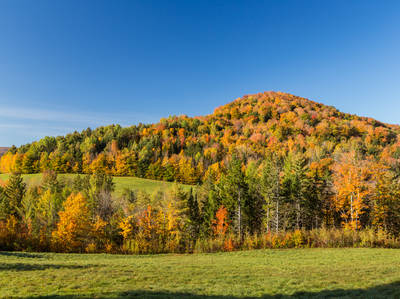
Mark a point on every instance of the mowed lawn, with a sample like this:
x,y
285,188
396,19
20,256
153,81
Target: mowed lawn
x,y
295,273
149,186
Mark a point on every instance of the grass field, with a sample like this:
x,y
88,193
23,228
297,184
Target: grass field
x,y
146,185
297,273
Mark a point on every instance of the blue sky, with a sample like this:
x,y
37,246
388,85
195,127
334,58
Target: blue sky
x,y
68,65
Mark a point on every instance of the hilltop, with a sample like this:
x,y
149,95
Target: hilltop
x,y
3,150
183,148
265,162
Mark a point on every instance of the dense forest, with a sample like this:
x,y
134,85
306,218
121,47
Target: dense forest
x,y
265,164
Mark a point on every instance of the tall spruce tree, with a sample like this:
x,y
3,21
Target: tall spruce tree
x,y
234,192
295,183
271,190
14,191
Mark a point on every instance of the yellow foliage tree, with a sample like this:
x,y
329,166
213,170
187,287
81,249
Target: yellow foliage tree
x,y
351,184
74,226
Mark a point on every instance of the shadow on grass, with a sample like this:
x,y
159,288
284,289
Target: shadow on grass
x,y
34,267
22,254
391,290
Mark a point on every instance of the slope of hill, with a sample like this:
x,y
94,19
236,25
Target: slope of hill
x,y
3,150
183,148
136,184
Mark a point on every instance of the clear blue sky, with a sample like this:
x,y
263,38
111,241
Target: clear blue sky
x,y
67,65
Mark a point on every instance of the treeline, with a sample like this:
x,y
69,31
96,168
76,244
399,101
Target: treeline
x,y
183,149
278,202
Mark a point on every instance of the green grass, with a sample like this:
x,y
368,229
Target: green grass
x,y
146,185
295,273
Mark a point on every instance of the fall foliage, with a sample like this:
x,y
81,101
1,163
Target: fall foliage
x,y
267,167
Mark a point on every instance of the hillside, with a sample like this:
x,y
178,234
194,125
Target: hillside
x,y
270,162
3,150
183,148
121,183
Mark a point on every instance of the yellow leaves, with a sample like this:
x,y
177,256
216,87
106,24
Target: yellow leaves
x,y
74,225
127,226
99,164
99,225
352,188
6,163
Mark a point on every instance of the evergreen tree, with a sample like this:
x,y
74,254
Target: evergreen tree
x,y
253,206
14,192
295,184
233,191
193,214
271,190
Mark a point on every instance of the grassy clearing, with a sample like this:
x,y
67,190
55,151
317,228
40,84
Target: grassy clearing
x,y
146,185
296,273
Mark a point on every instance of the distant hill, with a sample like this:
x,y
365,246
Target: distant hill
x,y
3,150
184,148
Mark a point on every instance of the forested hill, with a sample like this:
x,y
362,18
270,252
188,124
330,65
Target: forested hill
x,y
186,149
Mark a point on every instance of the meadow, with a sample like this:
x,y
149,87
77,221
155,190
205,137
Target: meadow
x,y
133,183
292,273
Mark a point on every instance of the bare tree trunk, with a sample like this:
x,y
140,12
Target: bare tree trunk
x,y
277,216
298,214
351,209
240,217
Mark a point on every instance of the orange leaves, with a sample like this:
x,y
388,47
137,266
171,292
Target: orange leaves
x,y
352,188
220,223
146,221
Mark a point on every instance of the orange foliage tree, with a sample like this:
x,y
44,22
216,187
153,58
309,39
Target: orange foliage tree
x,y
220,223
352,188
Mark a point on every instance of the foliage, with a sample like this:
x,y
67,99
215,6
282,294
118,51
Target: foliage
x,y
272,169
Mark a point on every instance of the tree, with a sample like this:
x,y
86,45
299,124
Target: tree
x,y
352,188
385,206
318,206
208,204
253,207
74,228
271,190
220,223
295,184
193,215
97,189
233,190
14,191
5,208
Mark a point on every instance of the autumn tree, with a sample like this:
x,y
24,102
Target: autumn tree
x,y
384,203
352,188
74,227
220,223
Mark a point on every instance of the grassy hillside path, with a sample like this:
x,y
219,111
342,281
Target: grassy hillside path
x,y
133,183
